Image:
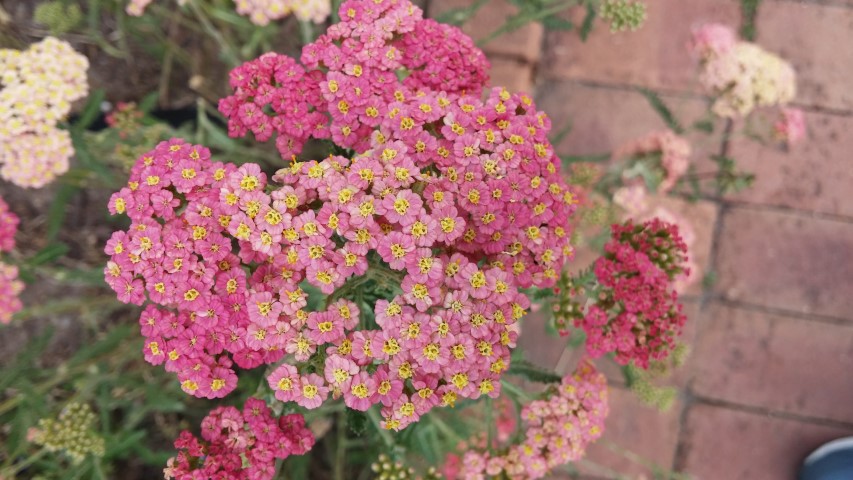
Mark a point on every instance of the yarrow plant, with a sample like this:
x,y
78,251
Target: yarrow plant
x,y
388,273
239,444
37,88
10,286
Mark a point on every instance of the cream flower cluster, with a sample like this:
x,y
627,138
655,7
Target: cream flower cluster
x,y
37,87
261,12
742,75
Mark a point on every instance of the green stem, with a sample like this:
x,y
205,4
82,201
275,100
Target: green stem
x,y
228,50
373,415
518,21
340,447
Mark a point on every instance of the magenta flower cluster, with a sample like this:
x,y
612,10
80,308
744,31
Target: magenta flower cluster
x,y
456,200
349,74
637,314
558,430
10,286
237,445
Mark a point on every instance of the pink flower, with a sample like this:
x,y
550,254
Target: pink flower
x,y
791,126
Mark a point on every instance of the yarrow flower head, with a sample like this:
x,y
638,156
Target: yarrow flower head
x,y
236,444
450,201
37,87
636,314
674,152
791,126
741,75
557,430
10,286
73,433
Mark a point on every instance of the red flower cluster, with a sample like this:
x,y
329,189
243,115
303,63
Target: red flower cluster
x,y
238,445
637,314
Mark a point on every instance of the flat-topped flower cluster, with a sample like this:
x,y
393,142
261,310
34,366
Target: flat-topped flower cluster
x,y
557,431
37,87
637,315
454,200
238,444
10,286
742,75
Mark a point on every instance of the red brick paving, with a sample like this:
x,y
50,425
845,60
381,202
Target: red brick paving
x,y
724,443
768,379
814,177
655,56
816,39
776,362
786,261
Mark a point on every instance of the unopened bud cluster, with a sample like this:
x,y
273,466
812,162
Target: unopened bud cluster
x,y
73,433
624,14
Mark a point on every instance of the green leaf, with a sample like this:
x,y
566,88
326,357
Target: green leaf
x,y
56,214
114,338
48,254
458,16
149,102
557,23
534,373
356,421
91,111
705,125
586,26
661,108
570,159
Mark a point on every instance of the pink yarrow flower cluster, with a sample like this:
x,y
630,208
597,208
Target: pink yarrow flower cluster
x,y
237,445
10,286
791,126
636,314
454,200
558,431
674,154
347,83
37,87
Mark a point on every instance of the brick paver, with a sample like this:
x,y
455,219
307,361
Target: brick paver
x,y
787,261
646,438
813,175
776,362
816,39
523,43
721,443
655,56
602,118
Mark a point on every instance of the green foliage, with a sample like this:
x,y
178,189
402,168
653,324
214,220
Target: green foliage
x,y
729,178
589,18
662,110
533,373
93,412
58,16
749,12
